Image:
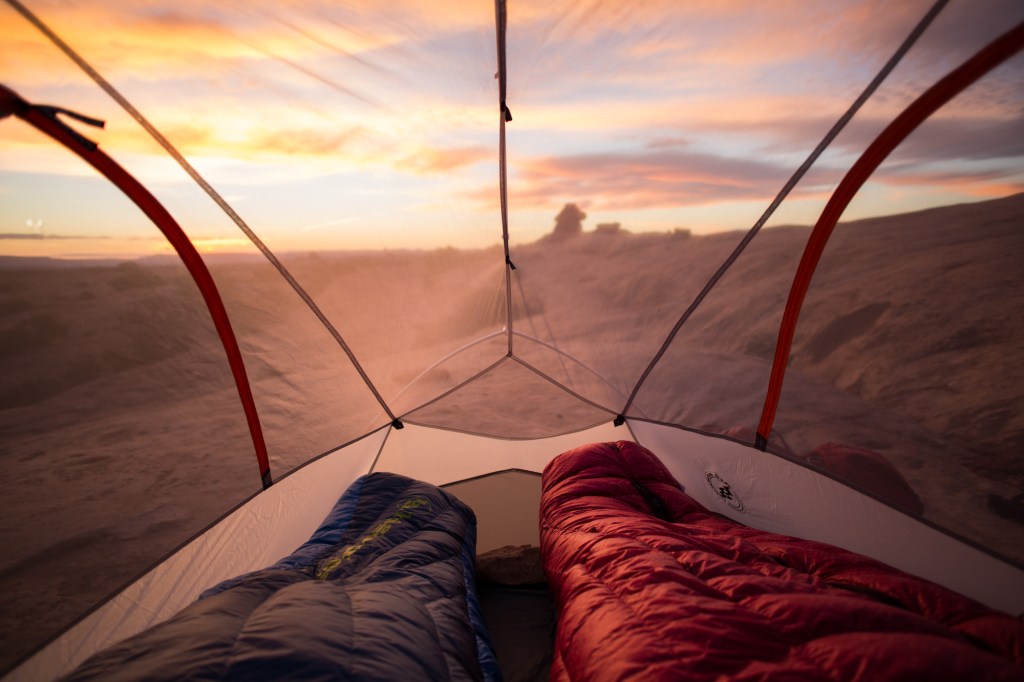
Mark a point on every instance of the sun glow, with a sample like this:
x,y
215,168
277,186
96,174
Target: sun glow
x,y
658,116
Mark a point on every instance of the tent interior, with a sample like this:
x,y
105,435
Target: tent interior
x,y
455,239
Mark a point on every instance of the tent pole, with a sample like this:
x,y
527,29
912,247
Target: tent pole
x,y
991,56
504,116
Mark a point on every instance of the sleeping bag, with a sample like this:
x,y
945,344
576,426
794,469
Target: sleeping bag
x,y
649,585
383,590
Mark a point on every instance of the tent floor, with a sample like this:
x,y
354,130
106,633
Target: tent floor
x,y
521,621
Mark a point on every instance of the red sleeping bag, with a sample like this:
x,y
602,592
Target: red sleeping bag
x,y
652,586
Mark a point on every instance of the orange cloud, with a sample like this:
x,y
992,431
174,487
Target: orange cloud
x,y
641,180
426,160
985,185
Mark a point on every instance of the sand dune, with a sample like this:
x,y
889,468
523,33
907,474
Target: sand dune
x,y
122,435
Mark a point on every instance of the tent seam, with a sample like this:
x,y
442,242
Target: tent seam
x,y
829,475
542,375
505,438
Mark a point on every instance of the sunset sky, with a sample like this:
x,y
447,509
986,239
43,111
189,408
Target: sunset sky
x,y
366,125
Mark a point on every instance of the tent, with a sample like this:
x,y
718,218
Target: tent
x,y
451,240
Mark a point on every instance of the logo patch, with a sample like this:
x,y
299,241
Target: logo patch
x,y
725,491
406,510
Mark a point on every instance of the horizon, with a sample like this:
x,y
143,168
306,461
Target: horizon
x,y
165,254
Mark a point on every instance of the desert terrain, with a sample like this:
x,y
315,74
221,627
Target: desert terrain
x,y
121,435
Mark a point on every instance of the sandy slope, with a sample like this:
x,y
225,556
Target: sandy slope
x,y
121,434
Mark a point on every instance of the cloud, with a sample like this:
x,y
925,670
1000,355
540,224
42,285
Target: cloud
x,y
942,137
637,180
357,146
428,161
762,36
668,142
353,92
625,105
700,63
305,141
973,155
39,235
964,28
979,183
704,46
964,139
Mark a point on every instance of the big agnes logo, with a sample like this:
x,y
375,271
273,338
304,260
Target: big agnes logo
x,y
724,491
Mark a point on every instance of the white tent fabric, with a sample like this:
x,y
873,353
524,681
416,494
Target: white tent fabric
x,y
283,517
508,252
775,495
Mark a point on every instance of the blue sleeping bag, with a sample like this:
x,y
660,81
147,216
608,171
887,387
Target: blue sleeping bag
x,y
382,591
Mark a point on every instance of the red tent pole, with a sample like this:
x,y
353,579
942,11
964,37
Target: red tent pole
x,y
45,119
991,56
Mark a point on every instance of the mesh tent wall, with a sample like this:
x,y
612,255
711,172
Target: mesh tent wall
x,y
390,256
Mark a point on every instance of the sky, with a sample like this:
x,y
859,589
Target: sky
x,y
359,124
